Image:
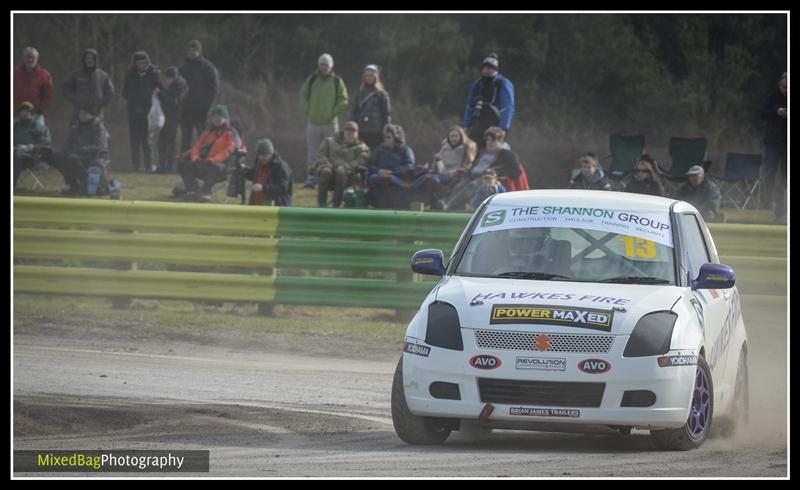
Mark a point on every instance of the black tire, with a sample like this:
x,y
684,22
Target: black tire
x,y
686,437
409,427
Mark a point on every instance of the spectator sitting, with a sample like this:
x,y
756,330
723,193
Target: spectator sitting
x,y
206,159
84,158
89,84
456,154
31,141
33,84
271,176
489,186
338,161
498,156
644,179
390,167
171,96
591,175
701,193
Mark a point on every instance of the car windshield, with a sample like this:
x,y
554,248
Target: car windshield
x,y
568,253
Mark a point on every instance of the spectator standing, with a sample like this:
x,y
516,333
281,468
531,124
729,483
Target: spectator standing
x,y
371,107
340,157
323,97
89,85
171,95
141,83
490,101
33,84
202,78
775,112
701,193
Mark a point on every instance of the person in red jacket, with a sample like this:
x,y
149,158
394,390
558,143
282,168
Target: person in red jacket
x,y
33,83
207,157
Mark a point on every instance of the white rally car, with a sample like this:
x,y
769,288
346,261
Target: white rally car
x,y
575,307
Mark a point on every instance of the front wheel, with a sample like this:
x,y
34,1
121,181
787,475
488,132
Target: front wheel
x,y
409,427
695,431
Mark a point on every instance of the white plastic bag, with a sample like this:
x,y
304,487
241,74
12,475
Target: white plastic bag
x,y
155,118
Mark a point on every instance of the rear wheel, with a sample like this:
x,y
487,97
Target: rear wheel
x,y
409,427
695,431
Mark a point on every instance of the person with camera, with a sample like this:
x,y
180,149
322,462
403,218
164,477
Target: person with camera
x,y
371,107
271,177
490,101
339,159
775,113
33,84
31,141
207,157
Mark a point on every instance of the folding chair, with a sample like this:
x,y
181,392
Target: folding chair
x,y
625,153
741,182
685,153
32,173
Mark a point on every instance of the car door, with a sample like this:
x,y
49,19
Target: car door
x,y
712,303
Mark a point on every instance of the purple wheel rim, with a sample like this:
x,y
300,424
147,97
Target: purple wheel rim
x,y
701,406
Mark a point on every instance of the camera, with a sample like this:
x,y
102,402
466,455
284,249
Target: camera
x,y
234,172
476,111
204,151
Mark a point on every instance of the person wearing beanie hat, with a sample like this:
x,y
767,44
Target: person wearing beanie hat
x,y
33,83
490,101
323,99
338,161
141,83
271,177
371,107
202,80
208,156
775,112
31,140
171,95
700,192
89,83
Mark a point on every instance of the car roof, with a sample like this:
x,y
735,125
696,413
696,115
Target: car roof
x,y
580,198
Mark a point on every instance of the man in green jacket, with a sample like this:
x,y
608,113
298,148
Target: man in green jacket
x,y
323,97
31,141
339,158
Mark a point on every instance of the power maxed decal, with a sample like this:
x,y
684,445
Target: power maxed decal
x,y
564,316
544,412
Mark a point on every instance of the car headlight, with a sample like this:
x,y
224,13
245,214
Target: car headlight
x,y
444,328
652,334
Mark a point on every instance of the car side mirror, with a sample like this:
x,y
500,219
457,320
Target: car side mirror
x,y
429,261
714,276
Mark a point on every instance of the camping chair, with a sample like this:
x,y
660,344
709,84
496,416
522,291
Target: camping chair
x,y
685,153
625,153
741,182
31,172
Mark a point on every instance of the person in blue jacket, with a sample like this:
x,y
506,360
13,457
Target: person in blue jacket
x,y
490,101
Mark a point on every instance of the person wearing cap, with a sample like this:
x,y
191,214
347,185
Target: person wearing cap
x,y
31,140
490,101
339,158
323,98
140,84
372,108
391,167
271,177
775,113
202,78
207,158
700,192
33,84
84,158
591,175
89,84
171,95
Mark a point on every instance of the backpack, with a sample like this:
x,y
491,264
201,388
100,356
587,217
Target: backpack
x,y
337,81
